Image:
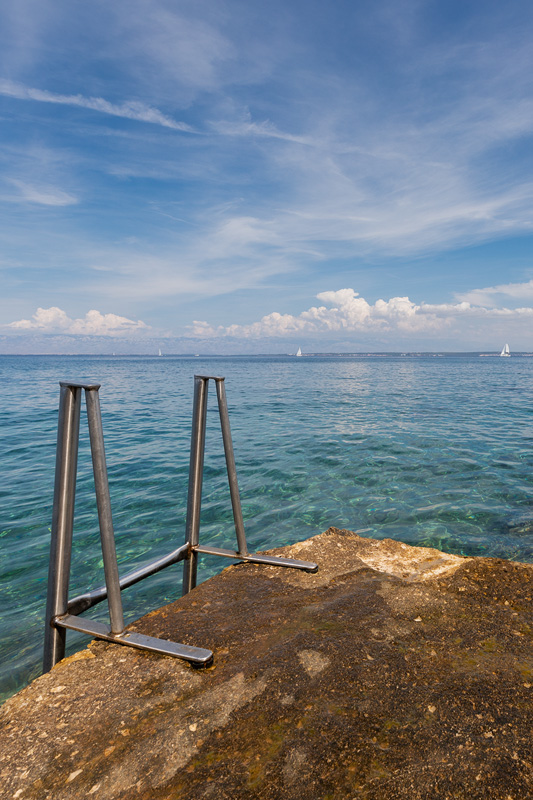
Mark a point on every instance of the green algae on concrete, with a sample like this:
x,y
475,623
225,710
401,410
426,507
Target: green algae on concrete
x,y
394,672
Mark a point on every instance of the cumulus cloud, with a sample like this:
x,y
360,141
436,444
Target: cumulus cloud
x,y
55,320
348,312
492,295
131,109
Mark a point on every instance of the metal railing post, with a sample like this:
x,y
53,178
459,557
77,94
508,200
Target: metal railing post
x,y
196,469
242,547
103,502
62,522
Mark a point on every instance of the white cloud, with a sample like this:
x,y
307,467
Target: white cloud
x,y
42,195
350,313
180,51
247,127
492,295
55,320
362,174
131,109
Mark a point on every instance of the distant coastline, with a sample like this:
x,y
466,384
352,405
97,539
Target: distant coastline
x,y
385,354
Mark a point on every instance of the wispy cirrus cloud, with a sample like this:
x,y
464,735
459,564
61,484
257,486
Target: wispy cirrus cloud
x,y
246,127
41,194
55,320
131,109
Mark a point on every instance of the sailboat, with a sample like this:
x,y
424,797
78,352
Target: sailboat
x,y
505,353
160,353
299,353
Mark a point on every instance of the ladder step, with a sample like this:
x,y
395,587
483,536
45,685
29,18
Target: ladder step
x,y
257,558
196,655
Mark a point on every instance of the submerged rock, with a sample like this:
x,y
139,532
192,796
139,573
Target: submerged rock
x,y
394,672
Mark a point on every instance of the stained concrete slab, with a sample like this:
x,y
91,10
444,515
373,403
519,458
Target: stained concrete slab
x,y
394,672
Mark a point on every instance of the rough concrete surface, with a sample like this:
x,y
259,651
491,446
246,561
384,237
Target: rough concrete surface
x,y
394,672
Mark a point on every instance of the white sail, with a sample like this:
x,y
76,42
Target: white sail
x,y
299,353
505,351
160,353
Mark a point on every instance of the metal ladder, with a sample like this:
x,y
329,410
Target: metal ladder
x,y
62,614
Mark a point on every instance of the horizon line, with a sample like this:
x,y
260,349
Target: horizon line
x,y
353,354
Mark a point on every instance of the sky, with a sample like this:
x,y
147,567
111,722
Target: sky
x,y
234,176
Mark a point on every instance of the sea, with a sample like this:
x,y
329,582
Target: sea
x,y
435,451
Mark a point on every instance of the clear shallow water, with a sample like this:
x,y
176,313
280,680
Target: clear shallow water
x,y
430,451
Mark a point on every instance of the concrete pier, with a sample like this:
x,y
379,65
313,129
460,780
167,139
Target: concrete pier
x,y
394,672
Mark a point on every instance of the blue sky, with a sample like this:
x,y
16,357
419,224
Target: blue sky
x,y
249,177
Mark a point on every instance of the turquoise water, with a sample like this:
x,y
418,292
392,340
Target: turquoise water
x,y
430,451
